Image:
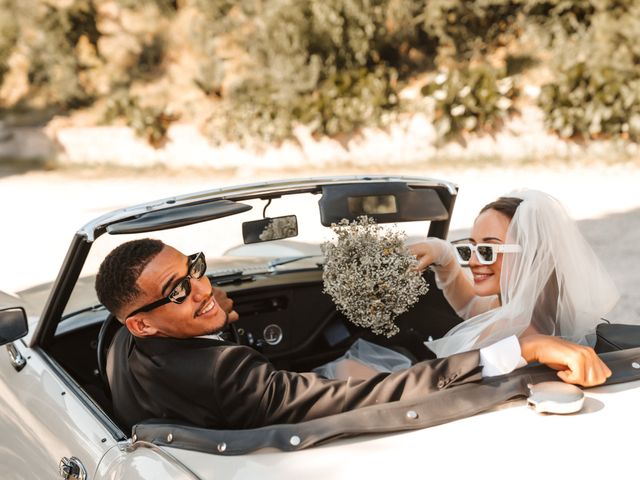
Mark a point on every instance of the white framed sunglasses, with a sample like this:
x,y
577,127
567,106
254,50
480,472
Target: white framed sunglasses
x,y
486,253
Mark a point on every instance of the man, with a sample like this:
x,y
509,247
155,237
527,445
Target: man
x,y
162,366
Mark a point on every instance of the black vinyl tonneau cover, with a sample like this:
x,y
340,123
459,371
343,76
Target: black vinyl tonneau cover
x,y
436,408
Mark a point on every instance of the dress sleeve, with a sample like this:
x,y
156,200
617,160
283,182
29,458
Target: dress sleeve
x,y
251,392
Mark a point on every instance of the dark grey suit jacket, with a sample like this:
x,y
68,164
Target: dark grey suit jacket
x,y
214,384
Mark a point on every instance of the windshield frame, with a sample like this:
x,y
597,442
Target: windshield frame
x,y
83,240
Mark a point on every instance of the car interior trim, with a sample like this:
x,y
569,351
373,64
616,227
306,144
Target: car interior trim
x,y
178,216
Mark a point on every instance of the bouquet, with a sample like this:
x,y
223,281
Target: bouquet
x,y
370,274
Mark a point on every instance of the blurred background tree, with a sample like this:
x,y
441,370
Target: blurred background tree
x,y
252,71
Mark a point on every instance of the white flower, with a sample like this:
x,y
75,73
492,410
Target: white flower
x,y
439,94
370,275
440,78
503,103
457,110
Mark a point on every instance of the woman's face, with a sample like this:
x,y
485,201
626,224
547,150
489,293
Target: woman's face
x,y
490,227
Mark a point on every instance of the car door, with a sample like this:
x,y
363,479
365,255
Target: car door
x,y
43,420
47,423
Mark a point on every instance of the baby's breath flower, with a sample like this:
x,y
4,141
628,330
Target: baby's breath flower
x,y
370,274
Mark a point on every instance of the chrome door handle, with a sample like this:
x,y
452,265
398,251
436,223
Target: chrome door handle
x,y
72,469
16,358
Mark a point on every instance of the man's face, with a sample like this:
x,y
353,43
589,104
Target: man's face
x,y
199,314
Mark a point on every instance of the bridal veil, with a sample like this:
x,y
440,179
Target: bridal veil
x,y
556,284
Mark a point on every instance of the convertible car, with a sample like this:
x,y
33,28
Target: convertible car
x,y
262,244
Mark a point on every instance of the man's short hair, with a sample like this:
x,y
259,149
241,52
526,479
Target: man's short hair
x,y
116,281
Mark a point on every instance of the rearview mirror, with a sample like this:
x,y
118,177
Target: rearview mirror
x,y
13,324
267,229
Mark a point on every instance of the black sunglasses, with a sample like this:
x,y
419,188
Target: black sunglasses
x,y
179,293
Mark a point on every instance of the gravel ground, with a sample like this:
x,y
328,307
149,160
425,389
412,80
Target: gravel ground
x,y
41,210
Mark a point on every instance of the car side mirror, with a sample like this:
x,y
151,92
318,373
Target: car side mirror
x,y
267,229
13,324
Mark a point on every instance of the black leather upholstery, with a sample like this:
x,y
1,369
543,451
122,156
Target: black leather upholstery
x,y
105,336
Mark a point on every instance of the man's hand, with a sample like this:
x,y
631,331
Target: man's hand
x,y
575,363
225,303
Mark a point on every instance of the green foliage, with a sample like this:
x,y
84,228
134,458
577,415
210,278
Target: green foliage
x,y
331,65
470,99
253,70
207,31
593,102
342,103
165,6
149,62
8,35
561,18
466,29
149,122
596,88
50,35
352,99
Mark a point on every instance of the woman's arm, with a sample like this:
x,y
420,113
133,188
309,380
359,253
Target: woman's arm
x,y
450,278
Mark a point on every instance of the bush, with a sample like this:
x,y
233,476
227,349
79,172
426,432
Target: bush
x,y
470,99
8,35
465,30
331,65
252,70
596,87
149,122
50,36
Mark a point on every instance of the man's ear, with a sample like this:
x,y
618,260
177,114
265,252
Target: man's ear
x,y
138,326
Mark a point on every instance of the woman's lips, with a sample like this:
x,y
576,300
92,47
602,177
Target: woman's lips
x,y
481,277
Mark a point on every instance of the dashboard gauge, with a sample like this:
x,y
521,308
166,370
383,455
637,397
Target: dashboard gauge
x,y
272,334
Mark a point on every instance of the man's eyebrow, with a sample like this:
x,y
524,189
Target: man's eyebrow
x,y
171,281
486,239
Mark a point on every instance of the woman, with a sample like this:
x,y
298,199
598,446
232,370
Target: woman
x,y
532,272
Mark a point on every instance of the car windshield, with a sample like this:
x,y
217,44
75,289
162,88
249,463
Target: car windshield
x,y
222,242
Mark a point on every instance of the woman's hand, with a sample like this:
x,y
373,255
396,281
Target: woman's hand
x,y
433,251
450,278
575,363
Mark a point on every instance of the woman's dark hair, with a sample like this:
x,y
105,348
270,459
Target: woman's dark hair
x,y
116,281
504,205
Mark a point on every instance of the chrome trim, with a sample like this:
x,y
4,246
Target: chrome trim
x,y
272,334
128,447
17,359
72,469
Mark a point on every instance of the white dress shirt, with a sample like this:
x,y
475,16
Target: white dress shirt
x,y
502,357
